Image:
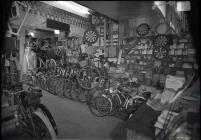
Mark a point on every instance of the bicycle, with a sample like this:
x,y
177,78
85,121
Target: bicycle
x,y
76,92
88,77
33,119
112,100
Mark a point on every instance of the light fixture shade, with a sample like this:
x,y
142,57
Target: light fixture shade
x,y
70,6
183,6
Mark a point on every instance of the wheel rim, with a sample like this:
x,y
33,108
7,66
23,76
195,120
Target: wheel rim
x,y
100,106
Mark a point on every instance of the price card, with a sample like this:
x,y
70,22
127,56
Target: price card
x,y
191,51
174,46
171,52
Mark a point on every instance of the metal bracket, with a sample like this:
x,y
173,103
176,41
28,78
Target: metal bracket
x,y
21,24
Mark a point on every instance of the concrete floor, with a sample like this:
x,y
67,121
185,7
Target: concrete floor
x,y
75,121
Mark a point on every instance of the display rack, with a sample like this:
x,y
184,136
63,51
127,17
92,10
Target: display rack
x,y
181,58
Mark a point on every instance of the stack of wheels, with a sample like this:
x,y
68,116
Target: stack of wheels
x,y
75,90
44,82
67,87
59,87
48,83
56,83
51,84
99,104
36,81
83,95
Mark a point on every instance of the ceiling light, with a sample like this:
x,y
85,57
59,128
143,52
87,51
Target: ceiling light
x,y
31,34
70,6
57,32
183,6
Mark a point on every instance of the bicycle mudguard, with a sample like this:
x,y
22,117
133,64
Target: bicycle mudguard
x,y
47,123
49,115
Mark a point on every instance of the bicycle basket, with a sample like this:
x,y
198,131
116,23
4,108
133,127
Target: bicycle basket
x,y
32,100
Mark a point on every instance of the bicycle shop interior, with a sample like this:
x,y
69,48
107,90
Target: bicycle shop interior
x,y
104,70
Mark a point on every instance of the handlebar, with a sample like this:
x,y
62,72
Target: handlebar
x,y
13,93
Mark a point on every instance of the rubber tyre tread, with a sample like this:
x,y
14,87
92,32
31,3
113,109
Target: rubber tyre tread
x,y
47,113
47,123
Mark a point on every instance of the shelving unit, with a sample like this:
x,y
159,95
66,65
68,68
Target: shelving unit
x,y
181,57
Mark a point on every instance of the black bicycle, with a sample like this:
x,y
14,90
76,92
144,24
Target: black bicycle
x,y
116,97
34,118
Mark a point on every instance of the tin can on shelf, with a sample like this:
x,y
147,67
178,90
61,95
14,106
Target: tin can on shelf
x,y
156,79
148,77
162,80
141,77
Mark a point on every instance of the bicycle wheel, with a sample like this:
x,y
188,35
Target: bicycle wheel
x,y
75,90
67,72
82,97
51,85
48,83
54,85
100,106
92,93
51,65
43,82
43,127
87,77
59,87
67,88
36,81
42,108
117,103
26,132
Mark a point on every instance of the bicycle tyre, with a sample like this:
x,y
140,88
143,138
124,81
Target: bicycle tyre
x,y
67,88
48,126
82,97
51,85
59,87
45,110
43,82
48,83
55,84
74,93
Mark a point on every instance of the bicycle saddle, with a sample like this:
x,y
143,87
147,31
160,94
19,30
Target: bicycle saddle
x,y
146,94
36,91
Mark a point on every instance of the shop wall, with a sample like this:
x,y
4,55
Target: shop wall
x,y
76,31
142,64
36,19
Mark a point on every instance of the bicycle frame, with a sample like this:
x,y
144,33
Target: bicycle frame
x,y
26,113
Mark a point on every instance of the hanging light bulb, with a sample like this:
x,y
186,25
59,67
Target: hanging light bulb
x,y
57,32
